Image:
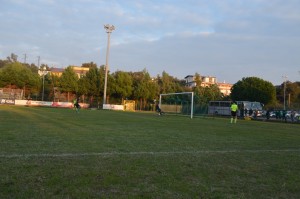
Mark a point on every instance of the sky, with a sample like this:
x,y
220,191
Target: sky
x,y
226,39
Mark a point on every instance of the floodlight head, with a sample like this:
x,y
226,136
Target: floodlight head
x,y
109,28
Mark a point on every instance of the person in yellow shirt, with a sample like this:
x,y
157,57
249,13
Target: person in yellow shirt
x,y
234,109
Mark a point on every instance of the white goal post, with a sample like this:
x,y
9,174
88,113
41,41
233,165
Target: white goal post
x,y
191,94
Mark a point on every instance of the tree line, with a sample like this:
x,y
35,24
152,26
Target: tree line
x,y
138,86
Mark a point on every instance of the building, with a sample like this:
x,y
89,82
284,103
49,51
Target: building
x,y
190,81
80,71
225,88
208,81
56,71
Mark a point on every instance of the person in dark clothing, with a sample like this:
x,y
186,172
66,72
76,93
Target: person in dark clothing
x,y
268,114
77,105
157,109
250,112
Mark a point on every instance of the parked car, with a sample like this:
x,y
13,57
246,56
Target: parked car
x,y
272,114
288,114
296,115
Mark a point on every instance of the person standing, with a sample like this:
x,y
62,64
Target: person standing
x,y
293,115
158,110
234,109
76,105
268,114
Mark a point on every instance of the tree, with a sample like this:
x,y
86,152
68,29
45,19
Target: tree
x,y
16,75
292,92
13,58
167,83
89,65
199,91
198,80
54,81
11,75
33,68
212,93
205,94
31,81
253,89
3,63
122,86
144,88
94,81
69,81
82,87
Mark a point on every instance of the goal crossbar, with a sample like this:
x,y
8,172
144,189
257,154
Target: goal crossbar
x,y
182,93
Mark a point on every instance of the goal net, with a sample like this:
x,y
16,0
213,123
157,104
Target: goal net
x,y
177,103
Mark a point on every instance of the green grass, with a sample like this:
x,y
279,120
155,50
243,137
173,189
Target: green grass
x,y
56,153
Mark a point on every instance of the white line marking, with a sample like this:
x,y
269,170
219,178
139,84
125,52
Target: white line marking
x,y
145,153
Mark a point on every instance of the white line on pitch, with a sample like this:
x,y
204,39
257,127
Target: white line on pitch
x,y
145,153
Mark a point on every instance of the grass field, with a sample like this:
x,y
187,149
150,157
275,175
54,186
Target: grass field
x,y
56,153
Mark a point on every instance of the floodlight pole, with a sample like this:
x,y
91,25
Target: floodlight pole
x,y
44,70
284,88
109,29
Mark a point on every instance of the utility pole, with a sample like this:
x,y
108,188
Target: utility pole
x,y
109,29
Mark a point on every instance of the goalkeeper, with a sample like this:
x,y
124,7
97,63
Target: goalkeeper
x,y
157,108
76,105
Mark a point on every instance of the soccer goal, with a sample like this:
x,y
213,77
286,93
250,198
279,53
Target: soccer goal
x,y
177,103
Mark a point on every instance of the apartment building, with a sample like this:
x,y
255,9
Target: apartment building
x,y
80,71
208,81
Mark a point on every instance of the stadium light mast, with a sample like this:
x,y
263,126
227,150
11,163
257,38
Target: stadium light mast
x,y
109,29
43,70
284,88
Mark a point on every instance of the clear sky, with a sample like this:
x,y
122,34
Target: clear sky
x,y
228,39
